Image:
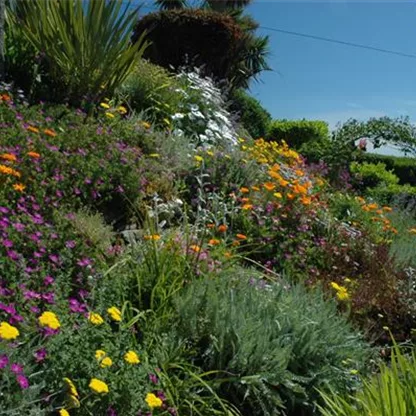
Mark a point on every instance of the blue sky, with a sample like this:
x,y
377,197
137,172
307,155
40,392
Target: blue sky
x,y
319,80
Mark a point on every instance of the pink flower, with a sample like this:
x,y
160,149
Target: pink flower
x,y
4,361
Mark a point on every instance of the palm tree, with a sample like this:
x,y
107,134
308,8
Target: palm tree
x,y
217,5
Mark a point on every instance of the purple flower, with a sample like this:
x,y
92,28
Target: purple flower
x,y
40,354
12,255
8,243
23,381
48,280
76,306
4,361
54,258
4,210
30,294
19,226
9,309
70,244
34,309
84,262
111,411
16,368
153,378
49,297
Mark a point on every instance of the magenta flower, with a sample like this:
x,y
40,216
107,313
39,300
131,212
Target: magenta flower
x,y
40,355
16,368
84,262
23,381
48,280
7,243
70,244
12,255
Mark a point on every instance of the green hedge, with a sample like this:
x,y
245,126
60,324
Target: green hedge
x,y
370,175
254,117
309,137
201,38
403,167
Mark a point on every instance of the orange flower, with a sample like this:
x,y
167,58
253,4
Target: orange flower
x,y
49,132
222,228
241,236
379,211
269,186
255,188
387,209
211,225
214,242
33,129
34,155
235,243
299,172
244,190
291,196
372,206
19,187
299,189
195,248
394,230
245,200
5,97
8,156
9,171
274,175
305,200
227,254
247,207
283,183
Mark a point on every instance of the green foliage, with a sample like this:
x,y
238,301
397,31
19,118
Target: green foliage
x,y
401,195
254,117
273,344
392,392
87,49
370,175
403,167
309,137
153,90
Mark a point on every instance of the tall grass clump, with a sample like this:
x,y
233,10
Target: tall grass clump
x,y
85,46
392,392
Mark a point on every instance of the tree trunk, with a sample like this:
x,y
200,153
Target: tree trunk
x,y
2,14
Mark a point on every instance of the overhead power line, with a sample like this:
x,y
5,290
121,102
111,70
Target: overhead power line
x,y
341,42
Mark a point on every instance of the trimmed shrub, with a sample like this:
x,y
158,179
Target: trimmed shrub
x,y
370,175
403,167
254,117
309,137
200,38
402,195
272,345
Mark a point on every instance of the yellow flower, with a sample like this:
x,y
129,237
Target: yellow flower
x,y
131,357
115,313
63,412
8,331
153,401
122,110
104,361
278,195
412,231
19,187
9,171
71,386
155,155
153,237
199,158
146,125
98,386
50,320
95,318
73,401
209,153
104,105
247,207
109,115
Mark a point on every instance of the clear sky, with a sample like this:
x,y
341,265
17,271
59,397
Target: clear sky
x,y
314,79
